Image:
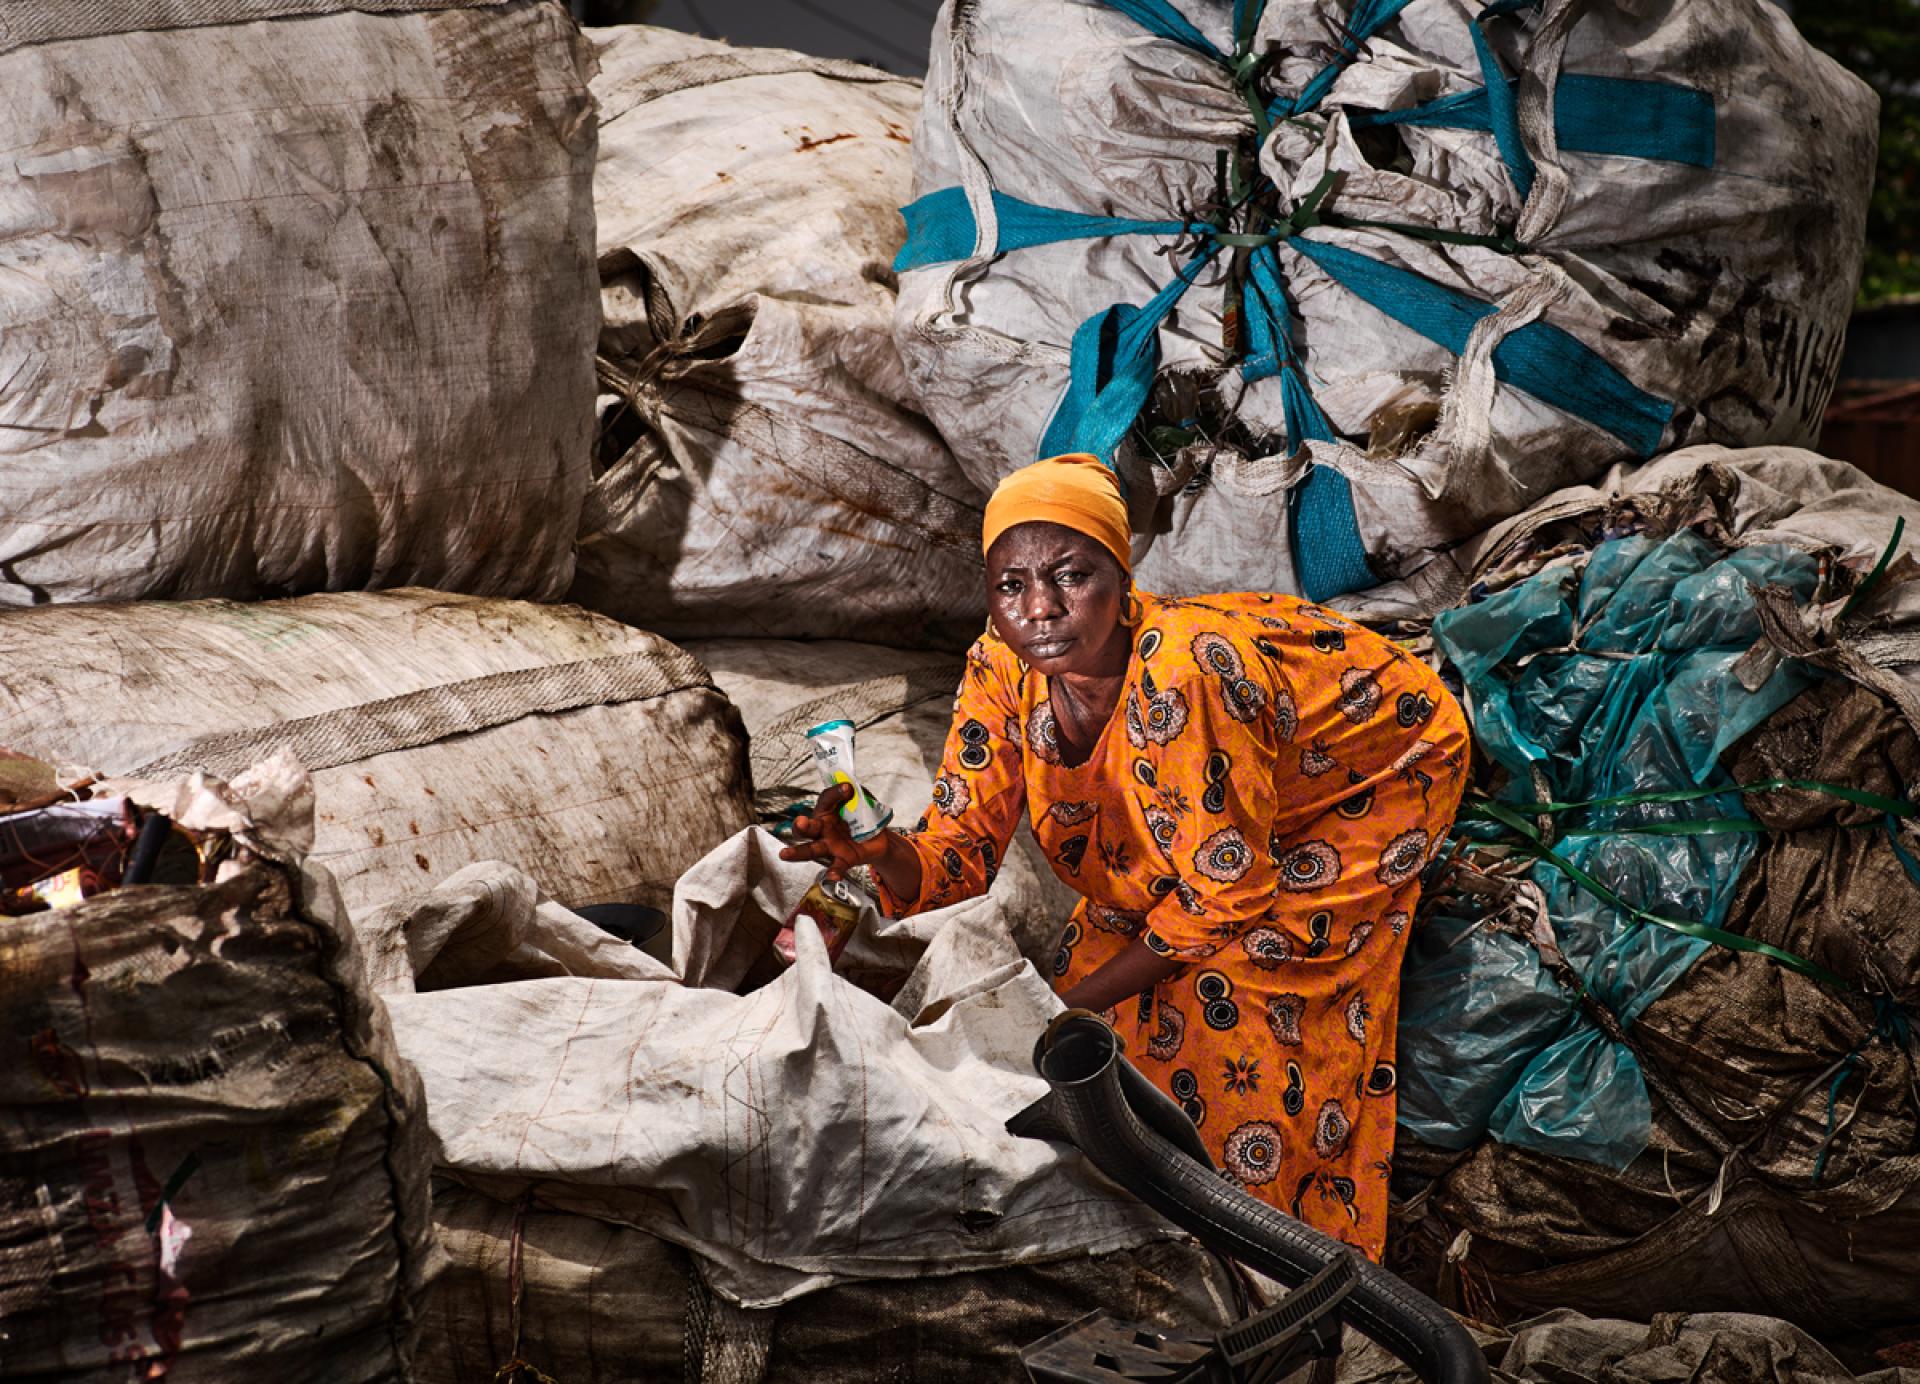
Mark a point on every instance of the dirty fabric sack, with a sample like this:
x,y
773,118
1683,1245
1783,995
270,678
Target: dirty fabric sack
x,y
306,306
1338,284
214,1164
439,729
1617,677
762,468
1563,1345
602,1304
901,705
1781,1175
836,1137
1779,1172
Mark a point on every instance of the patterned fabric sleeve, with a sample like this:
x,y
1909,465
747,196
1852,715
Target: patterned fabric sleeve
x,y
978,797
1210,737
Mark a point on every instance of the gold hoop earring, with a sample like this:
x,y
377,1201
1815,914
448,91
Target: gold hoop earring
x,y
1134,613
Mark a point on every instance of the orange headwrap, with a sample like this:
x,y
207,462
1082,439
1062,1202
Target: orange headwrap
x,y
1076,491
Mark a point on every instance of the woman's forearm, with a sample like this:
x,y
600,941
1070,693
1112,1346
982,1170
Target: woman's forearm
x,y
896,864
1137,968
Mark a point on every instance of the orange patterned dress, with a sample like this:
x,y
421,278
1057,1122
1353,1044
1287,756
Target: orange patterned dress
x,y
1261,805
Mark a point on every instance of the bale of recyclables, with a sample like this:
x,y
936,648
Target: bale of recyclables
x,y
901,705
215,1163
589,1302
295,295
761,469
1365,277
439,729
1561,1345
1706,673
838,1136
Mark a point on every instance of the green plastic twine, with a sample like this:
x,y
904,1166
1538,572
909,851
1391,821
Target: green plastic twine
x,y
1865,588
1833,1098
1894,806
1530,839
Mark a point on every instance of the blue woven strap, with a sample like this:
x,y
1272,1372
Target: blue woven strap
x,y
1116,353
1328,556
1369,17
941,228
1266,311
1620,116
1158,17
1503,114
1539,358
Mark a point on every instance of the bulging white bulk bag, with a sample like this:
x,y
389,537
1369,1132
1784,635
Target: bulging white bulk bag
x,y
440,730
801,1134
1482,253
294,296
763,471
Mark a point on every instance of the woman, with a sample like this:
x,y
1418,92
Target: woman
x,y
1242,788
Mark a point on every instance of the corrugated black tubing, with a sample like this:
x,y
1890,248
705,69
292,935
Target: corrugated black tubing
x,y
1136,1135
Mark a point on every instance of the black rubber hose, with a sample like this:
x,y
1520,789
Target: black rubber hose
x,y
147,845
1101,1113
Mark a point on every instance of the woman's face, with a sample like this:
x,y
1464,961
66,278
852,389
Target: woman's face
x,y
1056,598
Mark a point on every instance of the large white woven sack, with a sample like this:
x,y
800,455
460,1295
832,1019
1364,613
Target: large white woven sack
x,y
803,1134
439,729
295,295
1679,269
763,471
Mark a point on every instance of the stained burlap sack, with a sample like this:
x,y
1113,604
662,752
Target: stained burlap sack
x,y
762,470
214,1162
295,295
799,1135
603,1304
1781,1176
1562,1345
439,729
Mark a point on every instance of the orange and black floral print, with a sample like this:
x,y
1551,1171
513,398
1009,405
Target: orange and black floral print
x,y
1261,806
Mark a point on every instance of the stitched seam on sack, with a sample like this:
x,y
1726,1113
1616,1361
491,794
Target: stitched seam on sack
x,y
59,21
411,720
330,947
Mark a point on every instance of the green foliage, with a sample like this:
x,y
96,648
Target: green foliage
x,y
1880,40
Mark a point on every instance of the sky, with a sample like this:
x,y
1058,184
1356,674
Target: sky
x,y
893,34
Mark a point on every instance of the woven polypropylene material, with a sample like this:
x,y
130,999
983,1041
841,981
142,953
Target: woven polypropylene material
x,y
1328,552
711,68
940,227
778,755
350,734
1627,117
1539,358
26,22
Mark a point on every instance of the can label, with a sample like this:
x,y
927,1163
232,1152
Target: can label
x,y
835,907
832,743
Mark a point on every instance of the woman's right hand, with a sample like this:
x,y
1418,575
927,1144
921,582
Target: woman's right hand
x,y
822,836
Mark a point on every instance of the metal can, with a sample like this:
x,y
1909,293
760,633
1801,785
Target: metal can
x,y
834,906
832,743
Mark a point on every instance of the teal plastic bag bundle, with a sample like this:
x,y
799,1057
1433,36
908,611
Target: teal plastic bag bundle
x,y
1614,681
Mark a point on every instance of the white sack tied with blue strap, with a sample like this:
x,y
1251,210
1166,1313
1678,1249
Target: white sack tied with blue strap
x,y
1481,253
